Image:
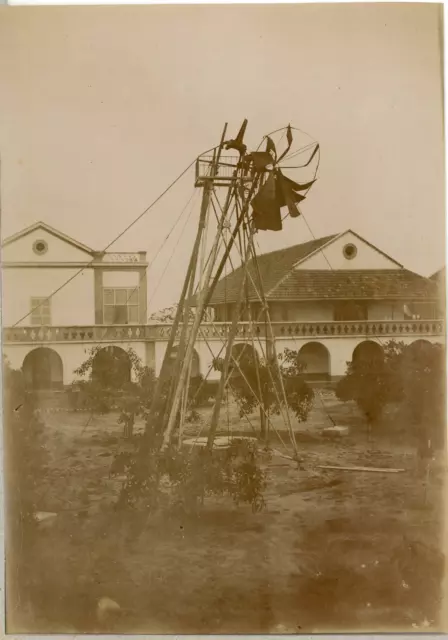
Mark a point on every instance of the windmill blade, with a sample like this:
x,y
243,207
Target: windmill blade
x,y
295,186
316,149
270,148
299,160
289,140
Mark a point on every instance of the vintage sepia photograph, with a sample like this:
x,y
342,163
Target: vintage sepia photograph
x,y
223,319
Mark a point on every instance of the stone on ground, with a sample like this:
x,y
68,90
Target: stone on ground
x,y
335,431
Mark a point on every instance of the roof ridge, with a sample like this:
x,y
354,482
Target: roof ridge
x,y
263,255
52,230
299,244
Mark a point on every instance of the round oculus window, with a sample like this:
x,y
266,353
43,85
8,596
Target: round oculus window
x,y
40,247
349,251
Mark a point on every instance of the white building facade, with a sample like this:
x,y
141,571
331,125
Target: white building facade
x,y
328,299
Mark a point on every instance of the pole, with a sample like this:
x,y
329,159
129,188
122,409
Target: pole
x,y
232,240
186,309
188,278
256,363
224,372
179,312
274,353
200,307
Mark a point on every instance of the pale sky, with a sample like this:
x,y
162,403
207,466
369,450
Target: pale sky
x,y
102,107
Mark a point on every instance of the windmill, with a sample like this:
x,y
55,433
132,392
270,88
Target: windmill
x,y
248,192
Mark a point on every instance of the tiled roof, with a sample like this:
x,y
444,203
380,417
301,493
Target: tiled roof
x,y
363,284
273,266
281,282
439,278
439,275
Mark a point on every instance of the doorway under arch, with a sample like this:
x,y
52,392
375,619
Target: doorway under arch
x,y
43,370
368,351
195,365
315,358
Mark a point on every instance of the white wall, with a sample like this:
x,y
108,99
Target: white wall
x,y
120,279
21,250
73,305
73,354
366,258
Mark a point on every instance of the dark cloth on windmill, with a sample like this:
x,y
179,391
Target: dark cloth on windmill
x,y
266,209
277,192
261,160
286,195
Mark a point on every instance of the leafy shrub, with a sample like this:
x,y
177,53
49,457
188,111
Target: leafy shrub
x,y
412,376
183,478
105,390
258,382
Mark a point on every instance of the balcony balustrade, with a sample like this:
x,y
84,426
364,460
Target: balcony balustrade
x,y
219,330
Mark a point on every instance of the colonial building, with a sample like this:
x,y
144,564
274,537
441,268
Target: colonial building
x,y
94,293
335,297
329,299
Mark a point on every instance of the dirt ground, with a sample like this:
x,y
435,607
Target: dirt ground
x,y
332,551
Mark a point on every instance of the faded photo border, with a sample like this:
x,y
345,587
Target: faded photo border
x,y
367,636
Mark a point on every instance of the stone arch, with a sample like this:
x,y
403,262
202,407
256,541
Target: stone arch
x,y
368,351
195,365
43,369
111,367
419,345
315,357
416,352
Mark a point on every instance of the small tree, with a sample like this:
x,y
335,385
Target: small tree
x,y
373,383
168,314
137,398
110,388
411,375
423,375
255,381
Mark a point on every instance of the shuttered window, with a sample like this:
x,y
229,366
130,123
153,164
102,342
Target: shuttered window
x,y
40,311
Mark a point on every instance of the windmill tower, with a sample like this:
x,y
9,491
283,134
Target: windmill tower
x,y
247,192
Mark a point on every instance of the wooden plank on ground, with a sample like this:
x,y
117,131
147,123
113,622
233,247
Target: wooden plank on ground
x,y
369,469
